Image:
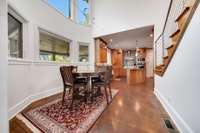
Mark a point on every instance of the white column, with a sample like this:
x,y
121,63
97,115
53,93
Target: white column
x,y
92,54
74,51
73,10
90,2
3,66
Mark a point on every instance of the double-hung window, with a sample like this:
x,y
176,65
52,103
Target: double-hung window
x,y
83,52
15,36
53,48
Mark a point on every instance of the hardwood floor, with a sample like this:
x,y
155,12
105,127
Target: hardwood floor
x,y
134,110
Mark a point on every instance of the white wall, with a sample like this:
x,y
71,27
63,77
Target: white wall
x,y
3,67
111,16
149,63
30,79
179,89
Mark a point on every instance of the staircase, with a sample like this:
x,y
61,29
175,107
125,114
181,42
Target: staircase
x,y
178,18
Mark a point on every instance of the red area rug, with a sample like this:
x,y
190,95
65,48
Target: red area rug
x,y
55,118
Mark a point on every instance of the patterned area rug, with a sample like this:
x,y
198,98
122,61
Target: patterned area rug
x,y
55,118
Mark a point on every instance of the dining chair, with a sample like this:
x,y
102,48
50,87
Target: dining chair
x,y
70,82
103,81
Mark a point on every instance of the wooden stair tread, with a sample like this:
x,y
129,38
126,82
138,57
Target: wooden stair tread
x,y
186,9
171,46
158,70
183,20
166,57
161,65
176,32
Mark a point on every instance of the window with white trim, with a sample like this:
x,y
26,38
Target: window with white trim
x,y
53,48
83,52
15,37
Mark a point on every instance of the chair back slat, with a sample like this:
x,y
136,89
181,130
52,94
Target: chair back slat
x,y
67,75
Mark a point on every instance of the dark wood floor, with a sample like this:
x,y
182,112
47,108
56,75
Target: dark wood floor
x,y
134,110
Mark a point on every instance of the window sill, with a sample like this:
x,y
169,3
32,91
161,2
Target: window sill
x,y
18,61
51,63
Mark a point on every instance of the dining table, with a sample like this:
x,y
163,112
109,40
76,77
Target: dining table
x,y
89,74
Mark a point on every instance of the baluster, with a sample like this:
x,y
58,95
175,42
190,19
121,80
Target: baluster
x,y
183,4
163,48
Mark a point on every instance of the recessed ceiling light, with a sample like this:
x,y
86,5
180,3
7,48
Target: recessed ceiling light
x,y
151,35
111,40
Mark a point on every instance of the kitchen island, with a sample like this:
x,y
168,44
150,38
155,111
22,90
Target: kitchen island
x,y
135,76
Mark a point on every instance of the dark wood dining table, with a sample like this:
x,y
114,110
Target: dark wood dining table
x,y
89,75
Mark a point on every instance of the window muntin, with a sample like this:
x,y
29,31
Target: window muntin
x,y
15,46
62,6
83,11
83,52
53,49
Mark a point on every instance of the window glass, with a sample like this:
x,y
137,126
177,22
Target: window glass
x,y
53,49
83,52
14,37
83,12
62,6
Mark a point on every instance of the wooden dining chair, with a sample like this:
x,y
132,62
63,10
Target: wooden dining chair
x,y
71,83
103,81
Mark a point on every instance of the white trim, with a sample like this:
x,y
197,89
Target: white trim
x,y
3,67
83,44
182,126
49,63
53,34
18,61
13,111
17,15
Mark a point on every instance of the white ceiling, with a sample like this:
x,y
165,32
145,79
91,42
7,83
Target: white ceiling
x,y
136,38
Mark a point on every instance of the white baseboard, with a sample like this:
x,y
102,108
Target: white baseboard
x,y
182,126
13,111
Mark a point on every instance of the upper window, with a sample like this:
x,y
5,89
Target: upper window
x,y
62,6
14,37
83,52
53,48
83,11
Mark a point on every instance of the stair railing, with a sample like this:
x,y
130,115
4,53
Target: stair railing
x,y
170,26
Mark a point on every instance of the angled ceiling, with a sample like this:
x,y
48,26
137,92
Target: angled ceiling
x,y
131,39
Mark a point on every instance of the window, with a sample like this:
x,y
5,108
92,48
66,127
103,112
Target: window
x,y
14,37
53,48
83,11
83,52
62,6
